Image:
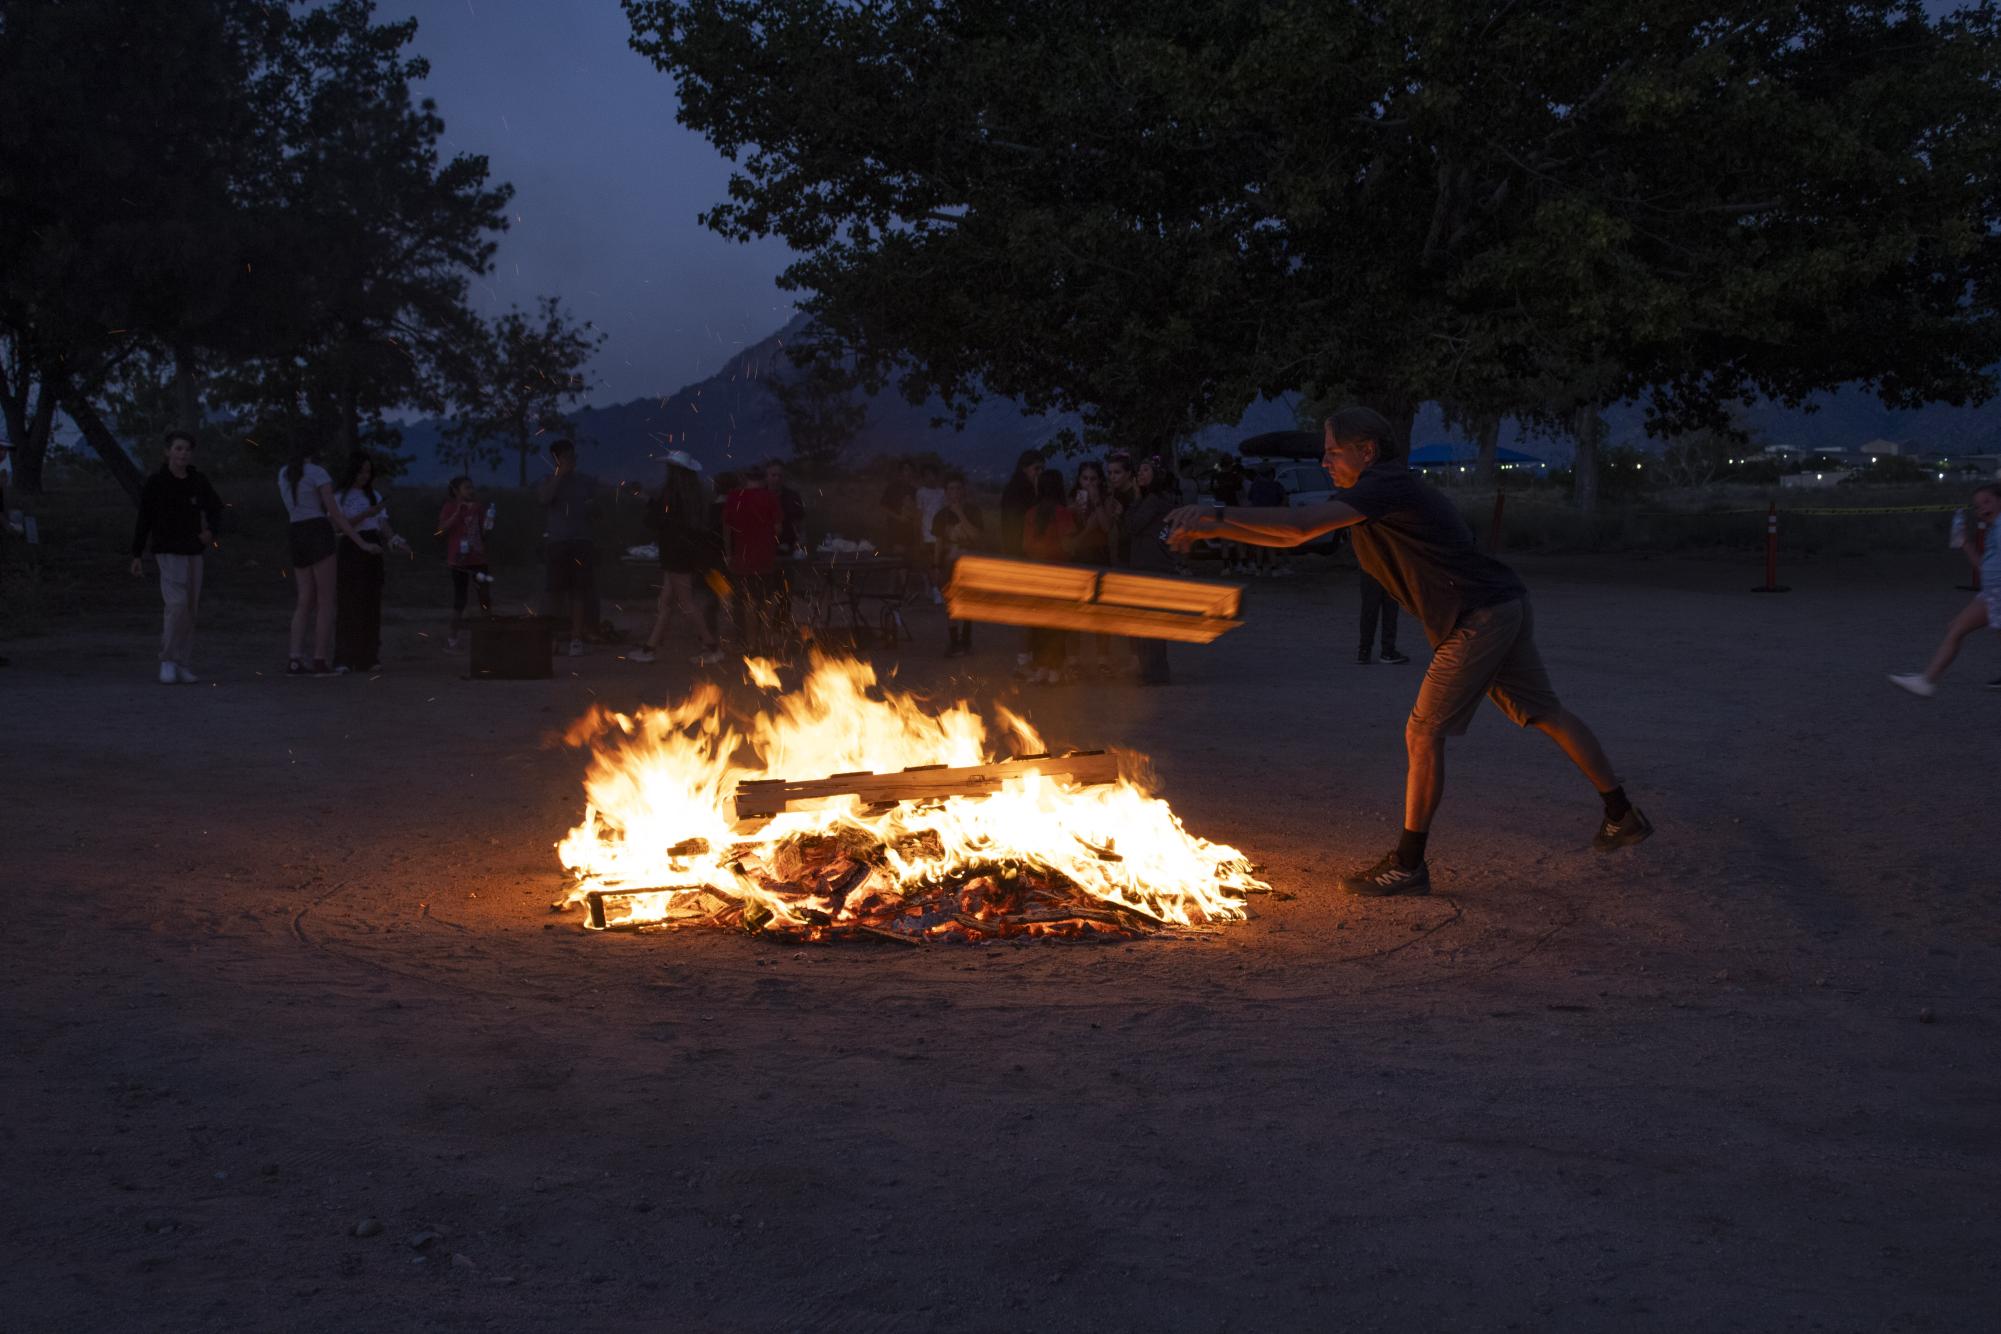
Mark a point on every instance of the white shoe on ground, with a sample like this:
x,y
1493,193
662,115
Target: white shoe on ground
x,y
168,676
1917,683
709,659
640,654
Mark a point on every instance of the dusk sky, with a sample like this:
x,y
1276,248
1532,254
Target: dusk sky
x,y
607,186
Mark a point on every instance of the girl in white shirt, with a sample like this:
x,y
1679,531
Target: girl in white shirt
x,y
357,571
307,492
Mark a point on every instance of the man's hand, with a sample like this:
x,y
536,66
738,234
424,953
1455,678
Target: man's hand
x,y
207,539
1191,524
138,567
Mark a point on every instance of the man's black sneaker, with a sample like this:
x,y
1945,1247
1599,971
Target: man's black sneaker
x,y
1624,832
1387,877
1995,684
1394,658
1364,658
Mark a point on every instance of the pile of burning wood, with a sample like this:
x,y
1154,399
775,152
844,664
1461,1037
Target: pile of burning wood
x,y
688,827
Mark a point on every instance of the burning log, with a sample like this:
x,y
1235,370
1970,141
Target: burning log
x,y
1072,597
761,799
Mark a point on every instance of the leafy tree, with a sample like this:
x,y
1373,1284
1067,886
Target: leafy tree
x,y
246,188
511,380
822,413
1528,210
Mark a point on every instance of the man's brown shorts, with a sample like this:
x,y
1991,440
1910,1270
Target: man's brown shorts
x,y
1490,652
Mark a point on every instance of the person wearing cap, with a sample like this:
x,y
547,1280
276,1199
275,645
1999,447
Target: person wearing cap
x,y
178,515
1474,610
680,520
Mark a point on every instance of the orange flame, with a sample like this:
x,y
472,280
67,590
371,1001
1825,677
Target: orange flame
x,y
660,821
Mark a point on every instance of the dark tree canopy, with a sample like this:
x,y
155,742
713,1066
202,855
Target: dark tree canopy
x,y
1154,212
247,187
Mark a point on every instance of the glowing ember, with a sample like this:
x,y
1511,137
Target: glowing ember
x,y
1041,855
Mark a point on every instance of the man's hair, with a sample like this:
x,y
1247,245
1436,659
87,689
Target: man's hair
x,y
180,435
563,447
1358,426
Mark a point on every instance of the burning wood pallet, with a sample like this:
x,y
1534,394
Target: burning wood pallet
x,y
761,799
1075,597
838,886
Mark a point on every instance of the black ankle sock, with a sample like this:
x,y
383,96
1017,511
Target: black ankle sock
x,y
1616,804
1410,849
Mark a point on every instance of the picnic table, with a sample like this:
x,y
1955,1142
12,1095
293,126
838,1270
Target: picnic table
x,y
851,596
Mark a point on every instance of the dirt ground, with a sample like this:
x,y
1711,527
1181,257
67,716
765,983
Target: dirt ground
x,y
280,959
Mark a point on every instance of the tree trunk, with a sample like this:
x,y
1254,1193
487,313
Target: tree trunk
x,y
85,415
187,389
27,430
1487,436
1589,432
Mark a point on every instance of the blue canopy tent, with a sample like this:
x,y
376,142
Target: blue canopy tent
x,y
1442,454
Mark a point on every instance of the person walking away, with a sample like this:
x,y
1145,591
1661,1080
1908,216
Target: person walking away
x,y
959,527
464,524
679,518
358,574
930,499
1017,499
1142,539
178,515
1045,536
752,519
307,492
899,510
1376,603
1474,609
1982,613
569,557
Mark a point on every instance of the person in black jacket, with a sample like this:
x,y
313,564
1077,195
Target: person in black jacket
x,y
178,515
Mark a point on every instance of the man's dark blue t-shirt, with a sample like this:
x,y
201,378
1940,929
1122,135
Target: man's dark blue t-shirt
x,y
1413,542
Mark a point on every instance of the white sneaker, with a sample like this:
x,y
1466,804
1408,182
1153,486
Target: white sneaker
x,y
183,676
709,659
576,648
640,654
1917,683
168,676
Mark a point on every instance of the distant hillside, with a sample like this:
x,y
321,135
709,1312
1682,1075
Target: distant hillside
x,y
732,418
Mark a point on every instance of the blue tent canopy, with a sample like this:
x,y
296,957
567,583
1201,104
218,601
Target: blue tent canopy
x,y
1442,454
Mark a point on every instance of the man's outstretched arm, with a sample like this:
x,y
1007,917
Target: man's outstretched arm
x,y
1271,526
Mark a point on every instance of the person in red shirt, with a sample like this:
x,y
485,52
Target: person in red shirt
x,y
752,517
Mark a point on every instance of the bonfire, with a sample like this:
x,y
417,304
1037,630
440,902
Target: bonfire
x,y
1035,844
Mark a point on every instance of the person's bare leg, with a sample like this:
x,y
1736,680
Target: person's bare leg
x,y
1424,781
1969,622
323,610
1567,730
302,612
663,611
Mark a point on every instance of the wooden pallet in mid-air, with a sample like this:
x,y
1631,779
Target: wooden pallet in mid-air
x,y
1077,597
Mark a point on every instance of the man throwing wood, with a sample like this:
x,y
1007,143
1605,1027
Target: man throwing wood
x,y
1474,610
